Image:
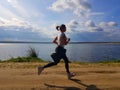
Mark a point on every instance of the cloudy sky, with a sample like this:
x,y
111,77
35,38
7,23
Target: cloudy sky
x,y
35,20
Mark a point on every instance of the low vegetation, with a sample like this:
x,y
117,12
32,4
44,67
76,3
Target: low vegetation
x,y
32,56
24,59
32,52
110,61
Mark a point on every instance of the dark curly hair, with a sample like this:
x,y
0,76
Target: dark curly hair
x,y
59,27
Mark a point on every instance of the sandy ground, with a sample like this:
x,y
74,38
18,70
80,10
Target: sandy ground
x,y
23,76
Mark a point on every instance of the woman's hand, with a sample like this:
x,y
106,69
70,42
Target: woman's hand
x,y
68,39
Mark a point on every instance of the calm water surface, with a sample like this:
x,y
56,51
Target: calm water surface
x,y
76,52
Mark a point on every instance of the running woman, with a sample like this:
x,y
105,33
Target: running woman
x,y
60,53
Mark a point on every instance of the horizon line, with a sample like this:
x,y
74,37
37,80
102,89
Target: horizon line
x,y
52,42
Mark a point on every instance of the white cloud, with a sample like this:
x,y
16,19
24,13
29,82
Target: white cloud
x,y
82,13
103,24
91,27
59,5
26,11
95,29
13,22
79,7
14,3
112,24
91,31
20,8
108,24
17,29
72,24
89,23
87,26
6,13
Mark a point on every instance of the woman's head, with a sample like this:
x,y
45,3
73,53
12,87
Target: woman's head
x,y
62,28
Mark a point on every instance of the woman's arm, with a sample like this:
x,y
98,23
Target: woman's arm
x,y
55,40
66,40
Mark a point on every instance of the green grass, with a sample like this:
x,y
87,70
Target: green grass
x,y
110,61
24,59
32,56
32,52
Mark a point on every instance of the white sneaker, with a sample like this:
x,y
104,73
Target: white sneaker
x,y
40,69
70,75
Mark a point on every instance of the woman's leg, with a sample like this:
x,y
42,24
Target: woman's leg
x,y
56,59
70,75
66,63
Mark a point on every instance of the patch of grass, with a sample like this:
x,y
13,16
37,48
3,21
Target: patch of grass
x,y
32,53
113,63
110,61
19,65
24,59
32,56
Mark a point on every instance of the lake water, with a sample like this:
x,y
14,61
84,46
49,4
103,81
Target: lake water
x,y
85,52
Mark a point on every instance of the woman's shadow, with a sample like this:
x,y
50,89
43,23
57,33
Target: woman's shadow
x,y
87,87
62,87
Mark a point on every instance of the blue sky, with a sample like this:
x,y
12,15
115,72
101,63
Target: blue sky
x,y
35,20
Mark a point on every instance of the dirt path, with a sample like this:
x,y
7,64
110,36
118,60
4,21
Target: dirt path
x,y
23,76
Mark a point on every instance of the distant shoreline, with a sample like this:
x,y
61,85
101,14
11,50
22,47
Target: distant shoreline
x,y
51,42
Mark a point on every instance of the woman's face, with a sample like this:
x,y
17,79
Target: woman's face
x,y
63,29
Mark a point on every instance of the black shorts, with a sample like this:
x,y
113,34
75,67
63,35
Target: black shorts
x,y
60,53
